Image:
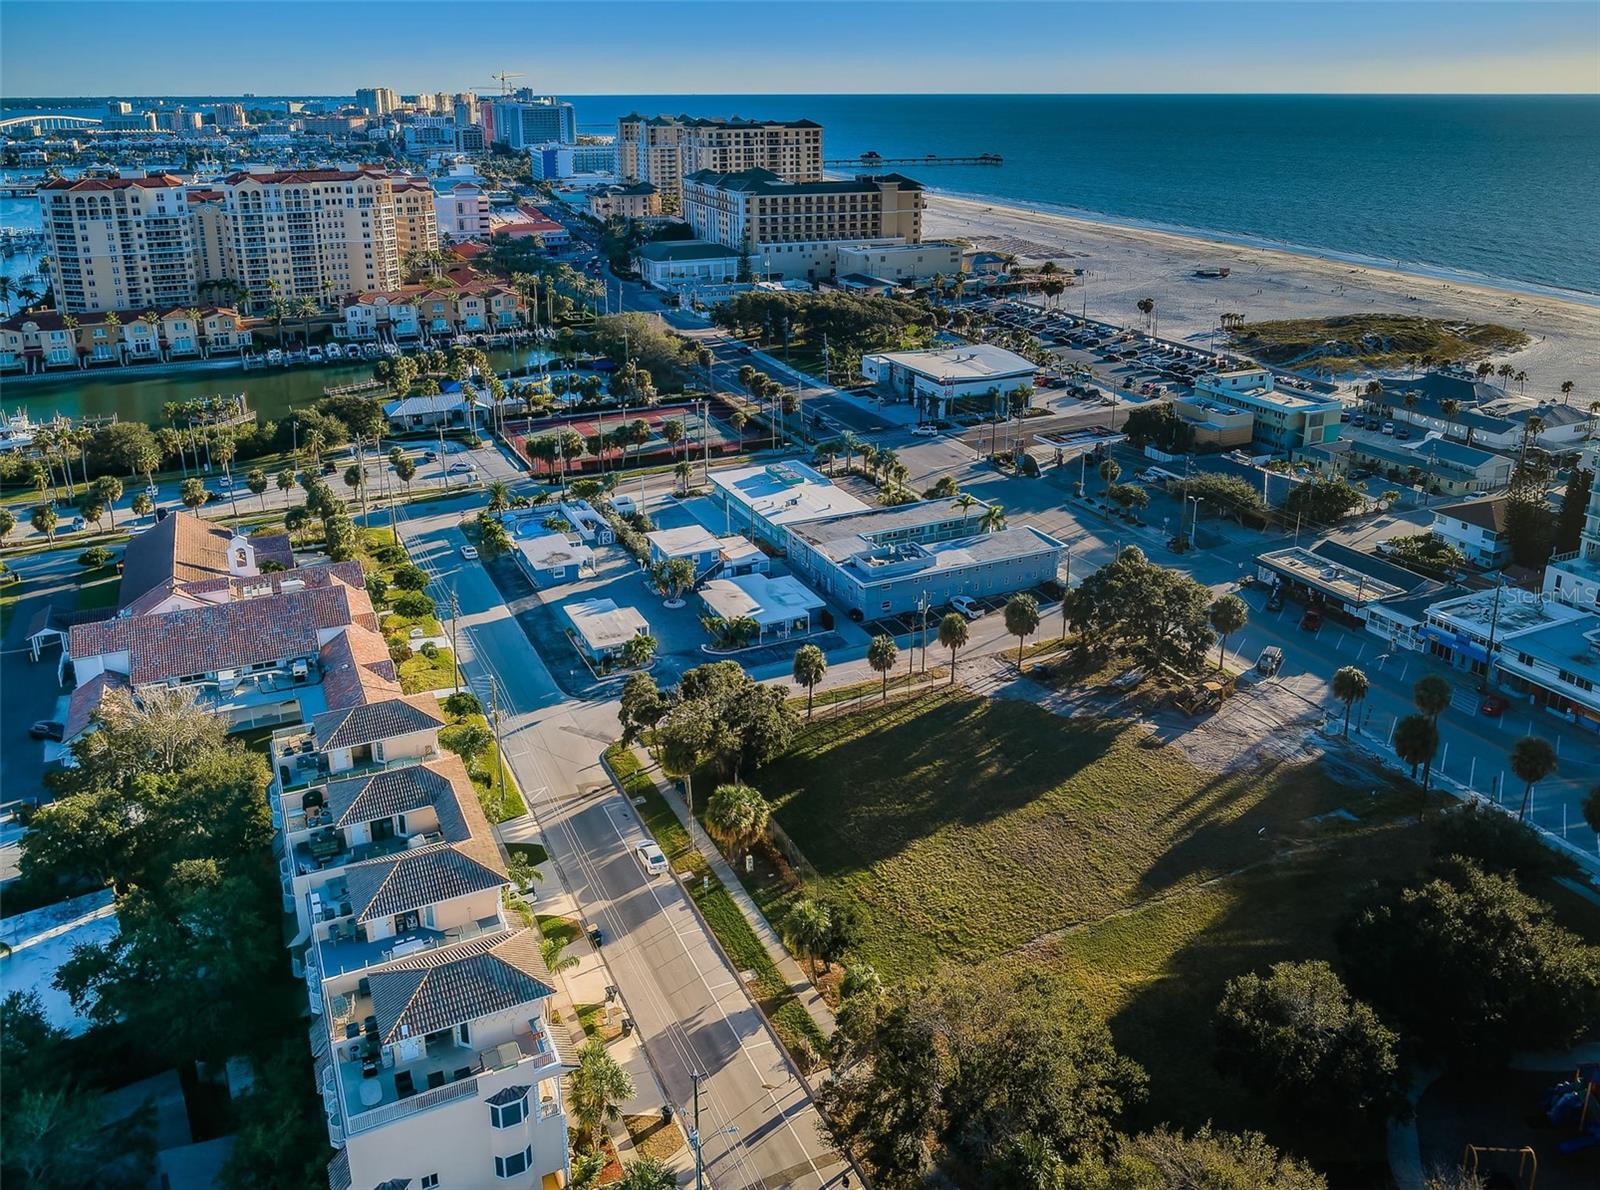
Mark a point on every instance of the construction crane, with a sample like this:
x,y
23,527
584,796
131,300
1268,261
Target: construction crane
x,y
504,78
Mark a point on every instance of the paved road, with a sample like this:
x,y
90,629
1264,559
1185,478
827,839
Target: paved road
x,y
759,1124
28,690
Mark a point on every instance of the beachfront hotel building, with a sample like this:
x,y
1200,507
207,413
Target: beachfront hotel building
x,y
143,242
1284,421
793,229
662,150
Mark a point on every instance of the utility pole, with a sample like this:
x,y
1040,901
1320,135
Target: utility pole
x,y
1066,594
455,653
699,1156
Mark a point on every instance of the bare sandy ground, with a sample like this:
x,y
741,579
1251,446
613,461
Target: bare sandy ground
x,y
1124,264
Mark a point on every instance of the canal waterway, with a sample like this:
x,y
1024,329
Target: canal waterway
x,y
139,394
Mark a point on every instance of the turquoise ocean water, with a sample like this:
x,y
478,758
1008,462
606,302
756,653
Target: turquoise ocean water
x,y
1497,187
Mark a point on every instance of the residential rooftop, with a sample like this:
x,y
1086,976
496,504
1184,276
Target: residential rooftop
x,y
962,364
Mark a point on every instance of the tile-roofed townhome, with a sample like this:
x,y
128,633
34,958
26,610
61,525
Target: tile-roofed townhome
x,y
248,644
183,548
444,1062
433,1051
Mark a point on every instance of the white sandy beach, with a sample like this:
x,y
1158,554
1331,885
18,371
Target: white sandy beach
x,y
1124,264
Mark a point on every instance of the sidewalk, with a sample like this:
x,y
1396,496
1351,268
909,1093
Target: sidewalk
x,y
802,987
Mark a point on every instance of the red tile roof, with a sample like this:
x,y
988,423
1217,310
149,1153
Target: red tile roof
x,y
157,182
357,669
267,628
293,176
185,548
84,703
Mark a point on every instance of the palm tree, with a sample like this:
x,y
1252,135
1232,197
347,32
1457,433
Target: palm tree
x,y
1146,306
1431,695
1566,391
1532,760
142,505
1227,615
737,816
555,962
286,481
305,309
1522,382
499,496
1109,471
595,1089
806,929
256,481
881,654
1022,620
43,518
953,633
994,518
682,473
1416,739
1505,372
1349,685
810,664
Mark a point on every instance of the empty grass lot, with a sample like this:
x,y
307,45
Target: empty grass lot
x,y
971,830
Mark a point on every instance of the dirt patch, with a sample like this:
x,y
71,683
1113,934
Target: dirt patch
x,y
1262,721
653,1137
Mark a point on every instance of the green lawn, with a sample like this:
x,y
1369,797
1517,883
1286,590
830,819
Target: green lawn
x,y
995,822
98,588
971,830
486,773
419,673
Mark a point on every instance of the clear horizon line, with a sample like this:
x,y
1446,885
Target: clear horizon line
x,y
1595,95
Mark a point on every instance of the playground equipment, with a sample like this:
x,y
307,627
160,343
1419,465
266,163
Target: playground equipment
x,y
1575,1104
1208,695
1489,1163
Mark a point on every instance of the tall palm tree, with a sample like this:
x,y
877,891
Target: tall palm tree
x,y
1532,760
594,1090
953,633
1505,372
305,309
806,930
1022,620
1349,685
737,816
1416,740
994,518
810,664
881,654
1227,615
1109,471
1566,391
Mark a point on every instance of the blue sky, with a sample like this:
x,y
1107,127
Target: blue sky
x,y
155,47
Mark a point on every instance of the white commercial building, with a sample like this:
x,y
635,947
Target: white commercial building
x,y
899,262
934,379
463,209
890,561
762,501
686,264
781,607
602,629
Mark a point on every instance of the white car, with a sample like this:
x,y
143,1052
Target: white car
x,y
966,606
650,858
470,553
462,466
1150,475
926,431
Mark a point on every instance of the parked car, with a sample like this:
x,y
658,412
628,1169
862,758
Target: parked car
x,y
462,465
925,431
1494,705
650,858
1275,600
1270,661
966,606
470,553
1312,620
48,729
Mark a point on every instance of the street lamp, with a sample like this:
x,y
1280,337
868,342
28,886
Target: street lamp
x,y
1194,520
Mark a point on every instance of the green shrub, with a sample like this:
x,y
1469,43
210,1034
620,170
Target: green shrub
x,y
462,704
413,603
429,650
94,557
